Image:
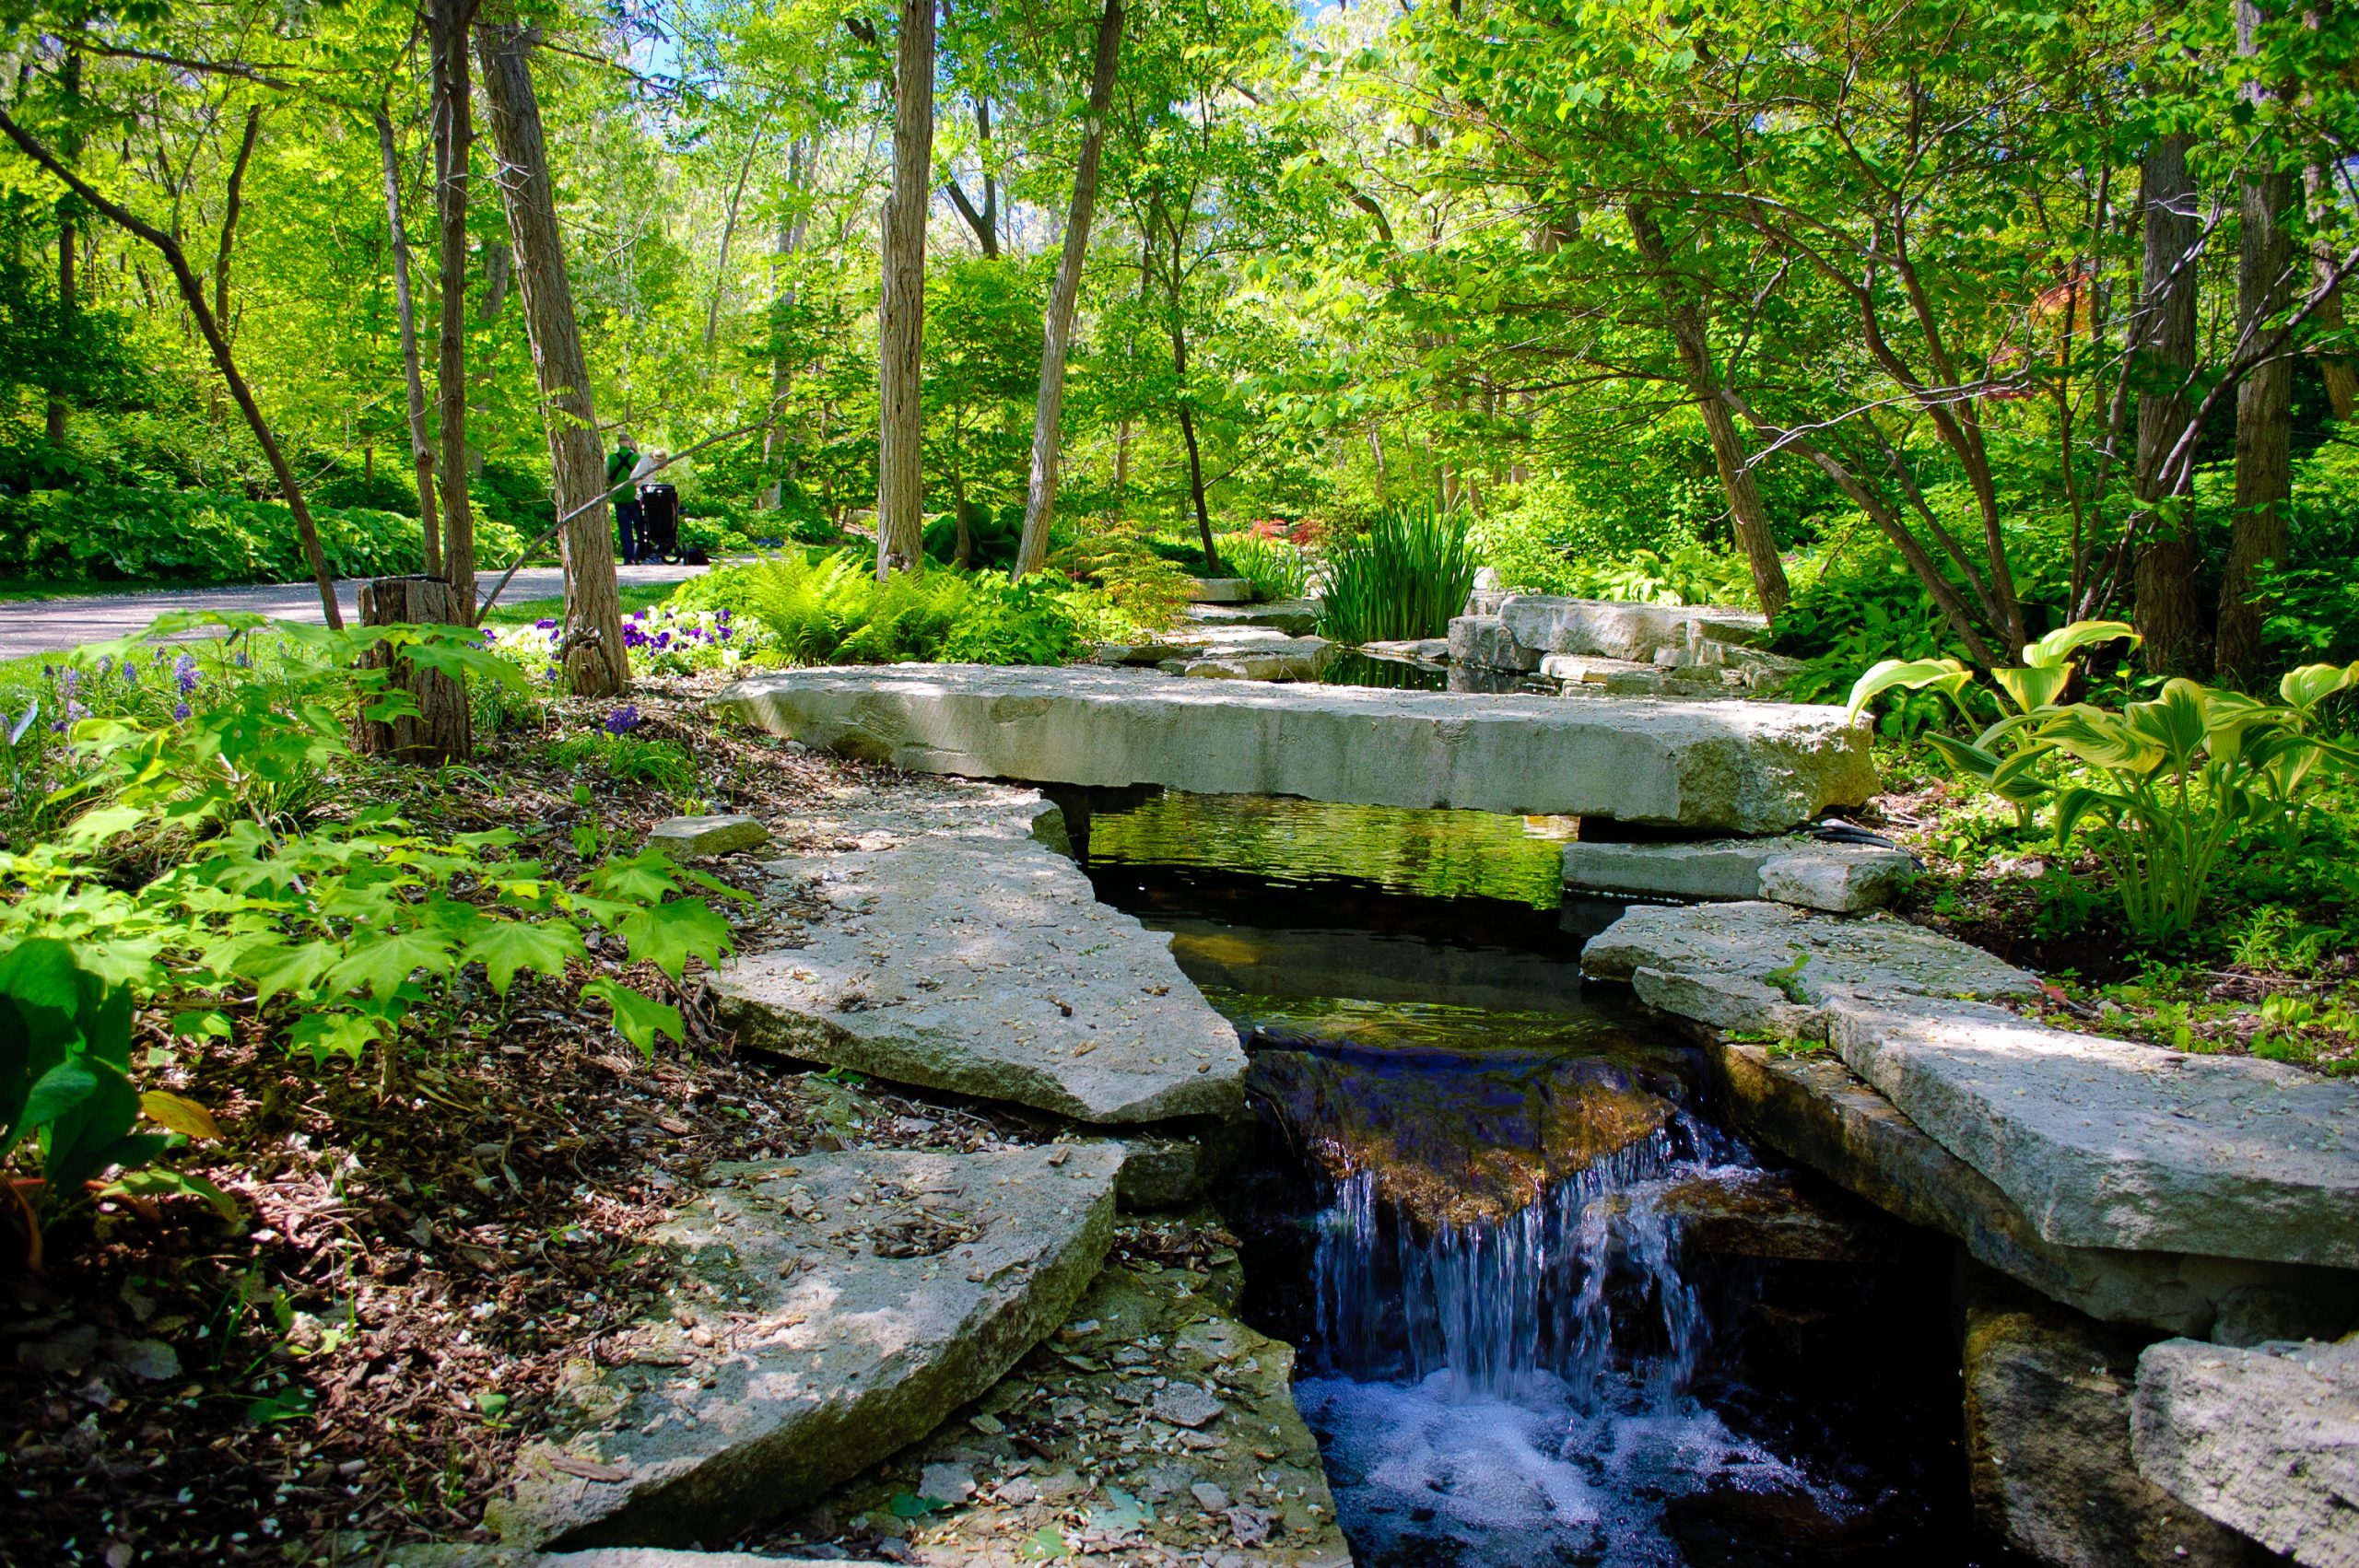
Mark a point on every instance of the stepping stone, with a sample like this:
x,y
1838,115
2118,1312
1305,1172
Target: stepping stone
x,y
706,834
1546,623
1757,965
1839,878
1285,659
1293,616
1221,589
831,1309
446,1556
1732,766
1076,1439
2265,1440
988,968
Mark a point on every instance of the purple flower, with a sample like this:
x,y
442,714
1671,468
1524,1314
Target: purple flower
x,y
245,660
623,719
106,665
73,682
184,671
544,623
179,712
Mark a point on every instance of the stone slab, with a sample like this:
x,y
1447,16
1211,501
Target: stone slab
x,y
1762,966
1815,1110
2048,1465
468,1556
1549,624
2265,1440
1153,1418
1421,649
830,1309
1293,616
1839,878
2107,1143
1728,766
1484,640
1280,658
987,967
706,834
1221,589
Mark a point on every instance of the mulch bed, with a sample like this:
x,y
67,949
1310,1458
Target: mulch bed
x,y
426,1237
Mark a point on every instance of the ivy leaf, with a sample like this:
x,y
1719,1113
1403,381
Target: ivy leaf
x,y
386,959
638,1018
670,934
507,946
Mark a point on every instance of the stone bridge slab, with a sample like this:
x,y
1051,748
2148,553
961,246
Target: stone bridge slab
x,y
1728,766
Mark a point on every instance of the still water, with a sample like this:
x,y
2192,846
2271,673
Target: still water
x,y
1496,1215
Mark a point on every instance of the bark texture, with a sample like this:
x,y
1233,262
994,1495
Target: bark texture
x,y
901,323
421,444
1729,454
2264,400
1041,498
2169,613
447,24
594,660
441,730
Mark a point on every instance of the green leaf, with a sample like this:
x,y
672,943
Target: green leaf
x,y
2304,688
347,1035
2063,642
1946,674
638,1019
506,946
172,1184
670,934
275,967
385,959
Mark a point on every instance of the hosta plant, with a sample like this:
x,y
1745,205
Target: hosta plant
x,y
2161,788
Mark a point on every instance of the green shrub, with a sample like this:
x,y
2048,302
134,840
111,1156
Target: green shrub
x,y
1406,578
1277,568
120,532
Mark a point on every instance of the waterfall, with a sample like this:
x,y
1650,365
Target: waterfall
x,y
1544,1291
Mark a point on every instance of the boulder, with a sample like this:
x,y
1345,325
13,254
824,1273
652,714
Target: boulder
x,y
706,834
2265,1440
1153,1419
987,967
2114,1143
1728,766
1760,966
829,1310
2049,1465
1810,872
1221,590
1548,624
1285,659
1295,617
1815,1110
1484,640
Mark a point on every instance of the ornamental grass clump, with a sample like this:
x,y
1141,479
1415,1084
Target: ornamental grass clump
x,y
2162,789
1406,578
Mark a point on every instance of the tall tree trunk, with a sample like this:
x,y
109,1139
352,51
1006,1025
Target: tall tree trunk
x,y
2342,370
69,231
900,317
233,204
728,234
984,223
791,229
421,445
1040,498
2168,613
596,662
192,297
1188,434
1728,453
2264,400
447,24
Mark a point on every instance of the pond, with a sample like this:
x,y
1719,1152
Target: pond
x,y
1548,1310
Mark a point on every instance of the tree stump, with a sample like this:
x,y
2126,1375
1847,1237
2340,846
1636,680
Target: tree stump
x,y
443,730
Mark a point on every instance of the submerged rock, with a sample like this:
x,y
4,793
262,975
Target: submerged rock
x,y
2265,1440
1457,1139
988,968
1839,878
1152,1428
1749,1213
1732,766
2047,1442
831,1309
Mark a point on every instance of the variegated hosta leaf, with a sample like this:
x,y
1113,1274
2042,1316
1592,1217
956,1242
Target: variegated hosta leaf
x,y
2064,641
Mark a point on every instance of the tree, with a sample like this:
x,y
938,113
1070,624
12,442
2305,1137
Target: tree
x,y
1056,345
900,311
421,445
447,24
594,657
2166,609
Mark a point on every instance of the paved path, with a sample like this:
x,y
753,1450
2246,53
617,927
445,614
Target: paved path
x,y
46,625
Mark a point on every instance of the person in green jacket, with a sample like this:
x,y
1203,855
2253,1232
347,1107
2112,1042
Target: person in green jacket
x,y
627,517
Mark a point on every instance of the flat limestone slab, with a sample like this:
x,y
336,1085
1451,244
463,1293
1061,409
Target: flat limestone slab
x,y
1293,616
1817,1110
833,1308
1758,965
706,834
1549,624
1733,766
1840,878
2265,1440
2112,1143
1153,1419
988,968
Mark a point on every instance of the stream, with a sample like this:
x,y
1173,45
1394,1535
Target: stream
x,y
1548,1311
